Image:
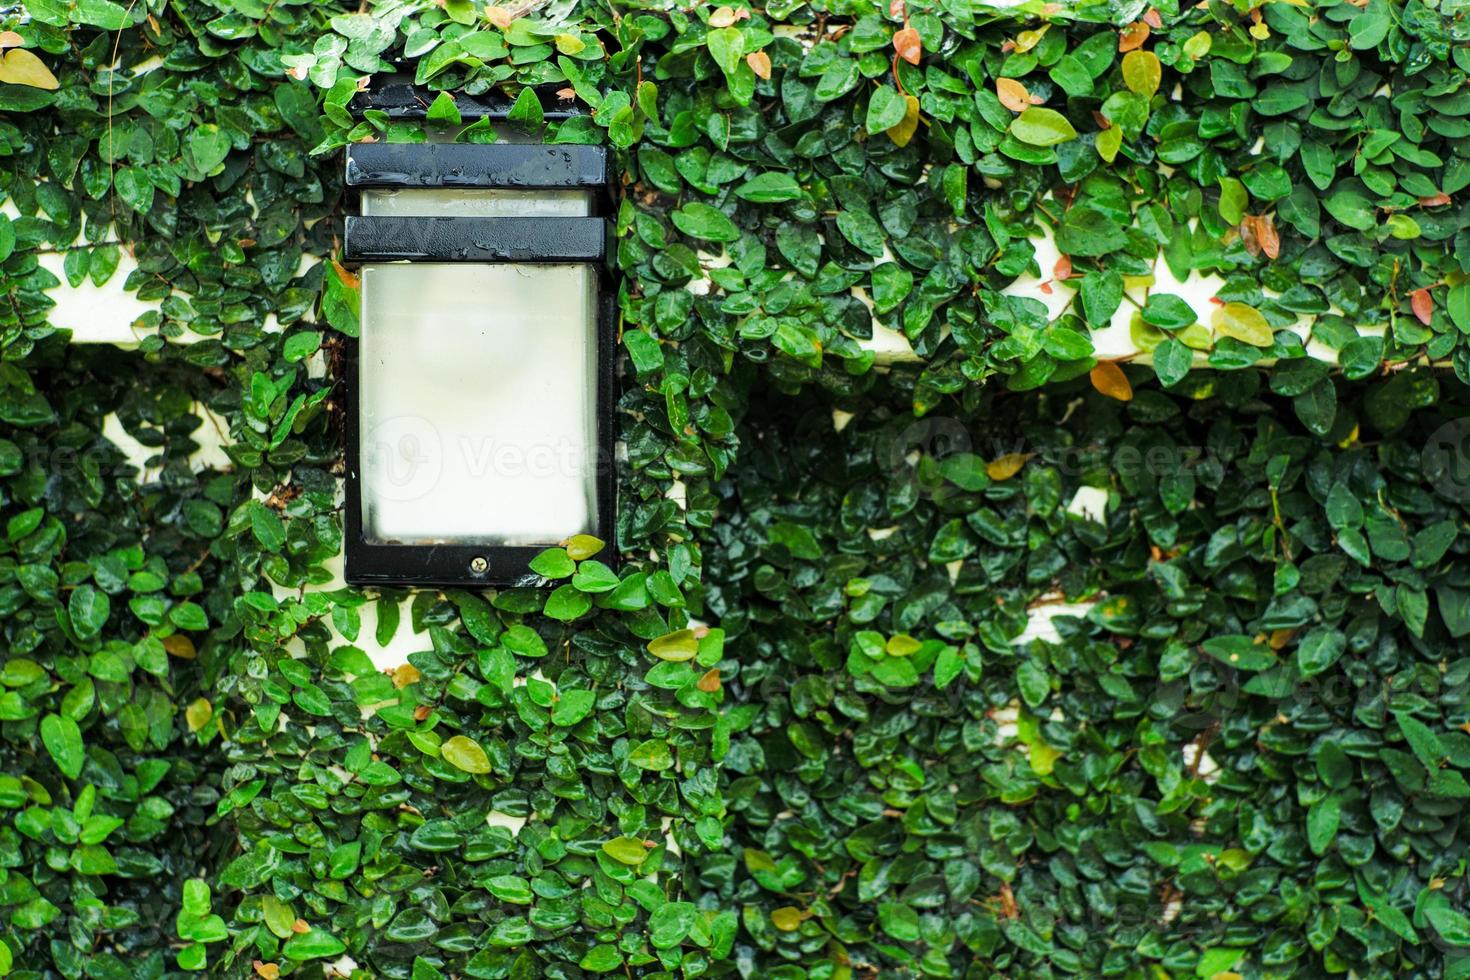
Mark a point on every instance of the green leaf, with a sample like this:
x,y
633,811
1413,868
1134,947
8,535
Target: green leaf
x,y
1034,684
88,609
727,46
1322,822
209,147
886,109
63,739
899,921
101,13
553,563
572,706
1240,652
652,754
626,850
769,188
314,944
602,958
1319,650
444,111
1038,126
465,753
1352,209
700,220
1085,231
1172,360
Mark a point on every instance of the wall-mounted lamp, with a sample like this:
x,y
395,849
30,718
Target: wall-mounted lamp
x,y
480,392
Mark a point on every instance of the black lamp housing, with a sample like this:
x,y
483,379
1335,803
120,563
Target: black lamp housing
x,y
372,240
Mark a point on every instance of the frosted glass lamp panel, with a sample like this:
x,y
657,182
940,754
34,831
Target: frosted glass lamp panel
x,y
477,399
476,202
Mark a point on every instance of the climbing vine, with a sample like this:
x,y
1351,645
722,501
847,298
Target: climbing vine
x,y
804,716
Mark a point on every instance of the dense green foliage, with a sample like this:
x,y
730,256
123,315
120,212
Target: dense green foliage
x,y
1246,758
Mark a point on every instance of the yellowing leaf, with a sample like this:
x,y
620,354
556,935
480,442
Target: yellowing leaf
x,y
1142,72
179,645
722,17
902,645
266,971
625,850
580,546
570,44
498,16
20,67
760,63
903,131
1027,40
787,918
1007,466
197,715
1109,141
1012,94
1244,323
405,674
709,682
1109,379
464,753
1198,45
678,646
1196,336
10,39
1042,127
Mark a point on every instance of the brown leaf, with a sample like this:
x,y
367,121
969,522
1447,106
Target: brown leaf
x,y
897,9
300,926
1248,235
722,17
1110,380
1437,201
1422,304
566,94
266,971
498,16
10,39
405,674
760,63
1152,19
179,646
1133,36
1267,236
908,45
1012,94
709,683
1062,271
421,712
348,277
